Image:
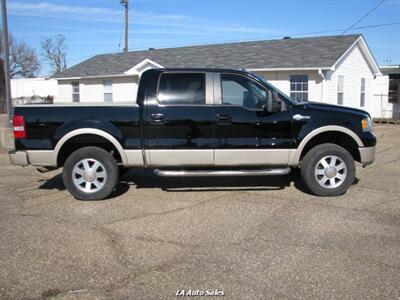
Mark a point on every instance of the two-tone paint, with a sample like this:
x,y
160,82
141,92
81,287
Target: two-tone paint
x,y
151,134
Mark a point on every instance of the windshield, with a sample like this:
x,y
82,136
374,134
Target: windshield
x,y
294,101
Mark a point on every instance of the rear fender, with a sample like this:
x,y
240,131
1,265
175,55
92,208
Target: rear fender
x,y
101,128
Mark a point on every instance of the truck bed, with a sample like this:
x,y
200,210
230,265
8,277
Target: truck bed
x,y
47,124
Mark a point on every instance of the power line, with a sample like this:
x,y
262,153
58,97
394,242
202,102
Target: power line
x,y
265,37
364,16
378,25
340,29
120,37
279,36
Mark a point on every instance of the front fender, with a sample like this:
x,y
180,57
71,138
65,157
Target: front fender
x,y
306,137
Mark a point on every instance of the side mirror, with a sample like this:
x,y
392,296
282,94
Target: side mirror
x,y
276,106
273,107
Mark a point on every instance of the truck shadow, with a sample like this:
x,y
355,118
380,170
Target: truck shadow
x,y
145,179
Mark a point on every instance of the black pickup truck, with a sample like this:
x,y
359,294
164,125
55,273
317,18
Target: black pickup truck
x,y
195,122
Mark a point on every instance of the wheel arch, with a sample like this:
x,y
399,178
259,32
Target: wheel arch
x,y
89,131
324,133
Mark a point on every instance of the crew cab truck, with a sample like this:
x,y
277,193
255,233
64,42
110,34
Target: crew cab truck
x,y
195,122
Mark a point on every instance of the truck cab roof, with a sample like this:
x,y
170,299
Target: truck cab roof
x,y
216,70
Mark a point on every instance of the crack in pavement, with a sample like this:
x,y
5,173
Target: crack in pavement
x,y
115,242
163,213
156,240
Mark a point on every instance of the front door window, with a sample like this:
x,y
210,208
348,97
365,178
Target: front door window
x,y
238,90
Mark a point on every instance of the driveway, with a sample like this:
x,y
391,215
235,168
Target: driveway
x,y
249,238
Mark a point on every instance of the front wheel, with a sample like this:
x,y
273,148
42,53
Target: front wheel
x,y
328,170
90,173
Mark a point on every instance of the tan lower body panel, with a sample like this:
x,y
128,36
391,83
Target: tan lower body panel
x,y
228,157
184,157
134,158
18,158
200,157
251,157
44,158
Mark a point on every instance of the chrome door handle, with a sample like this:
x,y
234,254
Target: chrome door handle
x,y
157,118
224,119
299,117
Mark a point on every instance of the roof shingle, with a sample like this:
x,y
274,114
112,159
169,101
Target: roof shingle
x,y
318,52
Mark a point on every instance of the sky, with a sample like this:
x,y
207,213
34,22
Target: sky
x,y
96,26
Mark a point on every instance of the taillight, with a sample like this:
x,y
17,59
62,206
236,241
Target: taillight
x,y
19,127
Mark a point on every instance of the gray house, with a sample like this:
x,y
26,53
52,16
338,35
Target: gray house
x,y
332,69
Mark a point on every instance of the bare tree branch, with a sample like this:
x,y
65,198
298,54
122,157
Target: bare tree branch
x,y
54,51
23,59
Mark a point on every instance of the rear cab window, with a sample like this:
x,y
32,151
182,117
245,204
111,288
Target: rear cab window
x,y
182,88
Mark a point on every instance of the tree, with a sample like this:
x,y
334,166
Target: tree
x,y
23,59
54,50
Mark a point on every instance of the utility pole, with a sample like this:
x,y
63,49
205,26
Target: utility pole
x,y
125,3
6,61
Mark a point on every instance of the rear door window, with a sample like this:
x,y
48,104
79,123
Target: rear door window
x,y
182,88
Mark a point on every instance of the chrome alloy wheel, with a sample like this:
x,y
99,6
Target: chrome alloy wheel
x,y
89,175
330,172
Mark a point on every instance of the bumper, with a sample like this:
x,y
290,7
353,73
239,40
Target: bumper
x,y
39,158
18,158
367,155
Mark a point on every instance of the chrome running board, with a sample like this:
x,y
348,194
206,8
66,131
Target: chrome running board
x,y
211,172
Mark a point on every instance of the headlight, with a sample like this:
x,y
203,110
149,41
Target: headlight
x,y
366,124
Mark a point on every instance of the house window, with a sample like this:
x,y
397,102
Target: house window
x,y
340,90
75,92
108,92
299,87
362,95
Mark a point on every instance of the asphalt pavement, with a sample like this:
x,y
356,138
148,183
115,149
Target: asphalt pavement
x,y
245,238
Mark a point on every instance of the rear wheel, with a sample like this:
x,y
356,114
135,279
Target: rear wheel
x,y
90,173
328,170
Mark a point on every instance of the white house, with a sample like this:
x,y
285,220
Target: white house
x,y
28,87
331,69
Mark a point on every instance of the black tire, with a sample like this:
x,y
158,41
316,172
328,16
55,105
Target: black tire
x,y
309,164
110,168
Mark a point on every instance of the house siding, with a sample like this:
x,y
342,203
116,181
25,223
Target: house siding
x,y
92,90
64,91
281,79
27,87
353,66
125,89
